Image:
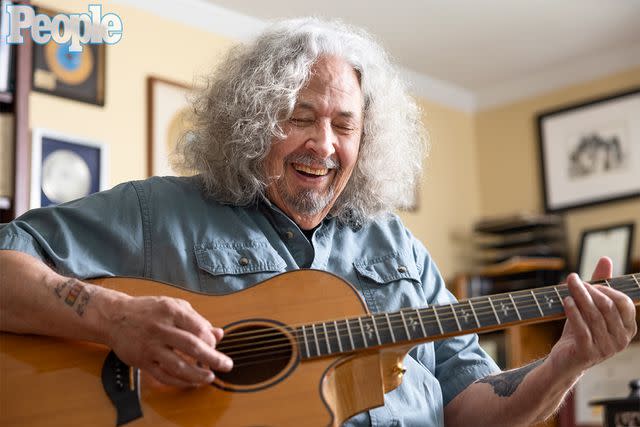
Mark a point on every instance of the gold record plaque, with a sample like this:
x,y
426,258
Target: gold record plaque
x,y
74,75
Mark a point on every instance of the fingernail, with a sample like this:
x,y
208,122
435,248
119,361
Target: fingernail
x,y
568,301
228,364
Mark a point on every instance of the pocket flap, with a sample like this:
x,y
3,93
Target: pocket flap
x,y
387,268
238,258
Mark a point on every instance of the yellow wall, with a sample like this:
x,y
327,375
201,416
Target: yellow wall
x,y
482,164
150,45
509,168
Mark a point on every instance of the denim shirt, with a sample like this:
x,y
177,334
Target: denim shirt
x,y
165,229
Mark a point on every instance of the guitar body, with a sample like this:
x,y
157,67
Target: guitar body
x,y
56,382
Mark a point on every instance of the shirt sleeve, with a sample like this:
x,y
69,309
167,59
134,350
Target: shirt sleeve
x,y
459,360
99,235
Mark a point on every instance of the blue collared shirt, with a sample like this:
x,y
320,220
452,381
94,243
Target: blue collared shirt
x,y
164,229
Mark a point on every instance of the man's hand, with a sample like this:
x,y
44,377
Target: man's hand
x,y
600,322
167,338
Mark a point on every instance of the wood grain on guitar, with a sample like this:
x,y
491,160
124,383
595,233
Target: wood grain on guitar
x,y
306,352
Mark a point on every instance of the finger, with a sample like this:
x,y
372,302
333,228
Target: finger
x,y
616,337
586,306
626,308
194,347
576,322
179,368
164,377
191,321
603,270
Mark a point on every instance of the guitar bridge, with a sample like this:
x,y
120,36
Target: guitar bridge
x,y
121,382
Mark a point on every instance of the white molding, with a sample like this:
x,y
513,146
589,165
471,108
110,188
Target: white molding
x,y
203,15
237,26
563,75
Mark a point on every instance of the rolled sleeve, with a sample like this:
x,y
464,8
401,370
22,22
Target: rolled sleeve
x,y
99,235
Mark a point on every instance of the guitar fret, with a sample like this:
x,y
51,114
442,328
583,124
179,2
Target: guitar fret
x,y
607,282
455,316
473,310
537,303
326,337
306,343
559,296
404,323
335,326
364,337
437,319
515,307
393,336
494,309
636,280
315,337
353,346
424,331
375,328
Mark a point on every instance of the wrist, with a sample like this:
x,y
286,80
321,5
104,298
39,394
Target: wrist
x,y
107,311
565,370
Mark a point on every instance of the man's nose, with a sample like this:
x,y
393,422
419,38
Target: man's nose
x,y
322,141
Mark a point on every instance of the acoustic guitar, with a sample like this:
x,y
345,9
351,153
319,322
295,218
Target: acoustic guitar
x,y
306,352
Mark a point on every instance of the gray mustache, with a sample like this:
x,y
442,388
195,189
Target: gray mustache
x,y
308,160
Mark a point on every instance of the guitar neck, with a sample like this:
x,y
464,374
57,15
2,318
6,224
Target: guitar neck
x,y
432,323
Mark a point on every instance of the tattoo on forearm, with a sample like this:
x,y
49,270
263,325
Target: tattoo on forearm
x,y
77,296
506,383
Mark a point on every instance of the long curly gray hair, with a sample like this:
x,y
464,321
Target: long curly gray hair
x,y
254,90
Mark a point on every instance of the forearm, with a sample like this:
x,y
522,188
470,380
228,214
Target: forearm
x,y
520,397
35,299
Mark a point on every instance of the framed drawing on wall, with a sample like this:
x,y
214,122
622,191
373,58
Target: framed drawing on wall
x,y
168,118
614,241
74,75
65,167
590,152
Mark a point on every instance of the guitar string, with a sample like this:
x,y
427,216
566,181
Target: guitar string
x,y
496,298
331,335
250,340
242,361
428,318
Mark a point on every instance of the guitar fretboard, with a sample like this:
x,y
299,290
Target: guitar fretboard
x,y
441,321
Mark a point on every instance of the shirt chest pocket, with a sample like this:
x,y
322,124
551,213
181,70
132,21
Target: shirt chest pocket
x,y
390,282
225,267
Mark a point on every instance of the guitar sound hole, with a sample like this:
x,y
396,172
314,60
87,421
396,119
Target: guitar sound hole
x,y
260,352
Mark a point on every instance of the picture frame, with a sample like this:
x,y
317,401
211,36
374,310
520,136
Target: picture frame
x,y
614,241
168,117
79,76
590,152
65,167
6,52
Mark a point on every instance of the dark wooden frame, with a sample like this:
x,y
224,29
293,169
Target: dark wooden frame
x,y
586,233
19,105
101,60
541,117
151,81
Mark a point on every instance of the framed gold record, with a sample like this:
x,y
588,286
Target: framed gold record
x,y
74,75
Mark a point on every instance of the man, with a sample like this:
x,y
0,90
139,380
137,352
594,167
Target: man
x,y
302,143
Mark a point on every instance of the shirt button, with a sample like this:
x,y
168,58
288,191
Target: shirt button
x,y
402,269
289,234
243,261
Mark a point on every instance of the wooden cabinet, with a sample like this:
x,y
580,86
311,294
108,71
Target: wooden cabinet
x,y
16,103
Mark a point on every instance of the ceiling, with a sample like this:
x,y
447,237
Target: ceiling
x,y
484,52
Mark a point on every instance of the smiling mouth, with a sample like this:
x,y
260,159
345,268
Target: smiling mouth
x,y
310,171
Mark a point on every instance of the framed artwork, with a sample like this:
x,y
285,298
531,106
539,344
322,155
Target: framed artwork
x,y
614,241
168,118
74,75
590,153
65,168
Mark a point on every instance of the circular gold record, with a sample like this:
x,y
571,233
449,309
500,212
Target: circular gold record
x,y
72,68
65,176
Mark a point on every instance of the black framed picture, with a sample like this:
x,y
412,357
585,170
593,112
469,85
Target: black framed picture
x,y
614,241
65,167
74,75
590,152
